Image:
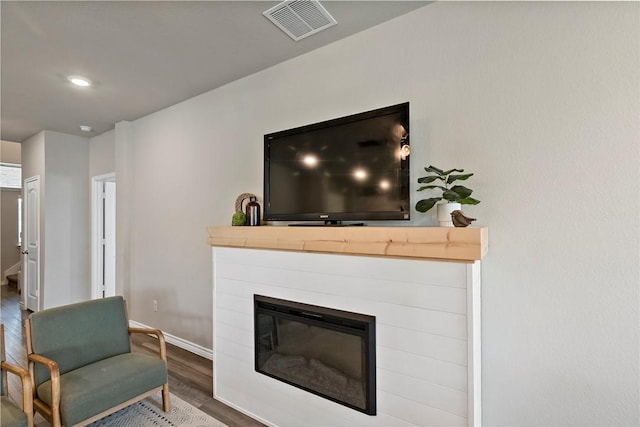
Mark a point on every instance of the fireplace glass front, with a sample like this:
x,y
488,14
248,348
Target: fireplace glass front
x,y
328,352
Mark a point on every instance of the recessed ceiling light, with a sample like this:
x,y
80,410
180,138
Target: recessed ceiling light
x,y
79,81
84,128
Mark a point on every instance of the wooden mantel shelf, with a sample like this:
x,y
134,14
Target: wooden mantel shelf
x,y
455,244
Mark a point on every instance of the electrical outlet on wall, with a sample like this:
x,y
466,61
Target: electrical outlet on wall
x,y
155,305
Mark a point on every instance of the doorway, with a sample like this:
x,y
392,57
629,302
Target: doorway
x,y
103,236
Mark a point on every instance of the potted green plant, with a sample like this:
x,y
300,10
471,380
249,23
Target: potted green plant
x,y
453,195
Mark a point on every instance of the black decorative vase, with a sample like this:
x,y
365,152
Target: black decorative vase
x,y
253,211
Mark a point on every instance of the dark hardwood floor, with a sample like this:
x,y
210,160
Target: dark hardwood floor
x,y
190,376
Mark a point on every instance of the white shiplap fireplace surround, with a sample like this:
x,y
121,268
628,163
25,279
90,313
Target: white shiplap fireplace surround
x,y
421,283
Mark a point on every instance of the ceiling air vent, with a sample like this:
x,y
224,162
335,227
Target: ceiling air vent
x,y
300,18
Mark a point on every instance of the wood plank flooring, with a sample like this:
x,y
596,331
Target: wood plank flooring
x,y
190,376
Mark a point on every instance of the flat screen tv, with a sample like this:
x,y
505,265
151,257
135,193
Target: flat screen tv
x,y
353,168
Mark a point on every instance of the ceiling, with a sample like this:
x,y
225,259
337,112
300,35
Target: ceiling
x,y
142,56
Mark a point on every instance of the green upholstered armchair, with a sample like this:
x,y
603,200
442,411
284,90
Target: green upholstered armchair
x,y
81,363
10,414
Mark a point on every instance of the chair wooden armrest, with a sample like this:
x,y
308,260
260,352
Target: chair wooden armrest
x,y
162,348
52,413
27,389
162,345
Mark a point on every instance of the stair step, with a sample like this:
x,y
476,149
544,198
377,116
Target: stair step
x,y
13,280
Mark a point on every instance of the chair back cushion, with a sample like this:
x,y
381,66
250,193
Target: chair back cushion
x,y
79,334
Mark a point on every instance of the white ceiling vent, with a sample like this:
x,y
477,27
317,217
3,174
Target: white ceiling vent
x,y
300,18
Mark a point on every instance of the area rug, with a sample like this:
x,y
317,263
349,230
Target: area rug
x,y
148,412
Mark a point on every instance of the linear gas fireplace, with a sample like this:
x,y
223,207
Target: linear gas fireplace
x,y
328,352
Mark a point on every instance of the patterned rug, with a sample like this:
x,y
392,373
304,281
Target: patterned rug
x,y
148,412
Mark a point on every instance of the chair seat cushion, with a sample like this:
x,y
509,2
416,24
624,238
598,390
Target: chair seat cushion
x,y
92,389
10,414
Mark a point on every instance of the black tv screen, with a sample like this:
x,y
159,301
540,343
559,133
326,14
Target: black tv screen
x,y
352,168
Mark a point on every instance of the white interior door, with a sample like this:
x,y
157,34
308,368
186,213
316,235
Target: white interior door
x,y
104,236
31,243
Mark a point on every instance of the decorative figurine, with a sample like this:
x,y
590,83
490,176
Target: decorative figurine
x,y
460,219
239,217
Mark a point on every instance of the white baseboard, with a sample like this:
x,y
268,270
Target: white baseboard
x,y
244,411
207,353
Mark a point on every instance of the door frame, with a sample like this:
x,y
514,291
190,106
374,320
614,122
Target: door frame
x,y
97,227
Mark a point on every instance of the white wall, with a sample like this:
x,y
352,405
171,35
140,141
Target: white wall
x,y
540,100
67,219
32,157
62,163
124,205
102,154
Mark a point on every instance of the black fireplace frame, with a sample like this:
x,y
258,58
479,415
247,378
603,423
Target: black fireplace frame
x,y
342,321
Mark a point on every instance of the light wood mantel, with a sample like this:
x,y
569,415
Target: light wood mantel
x,y
455,244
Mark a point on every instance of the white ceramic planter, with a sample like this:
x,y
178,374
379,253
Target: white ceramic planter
x,y
444,213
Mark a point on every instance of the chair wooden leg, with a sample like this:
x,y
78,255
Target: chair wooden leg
x,y
56,422
166,407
